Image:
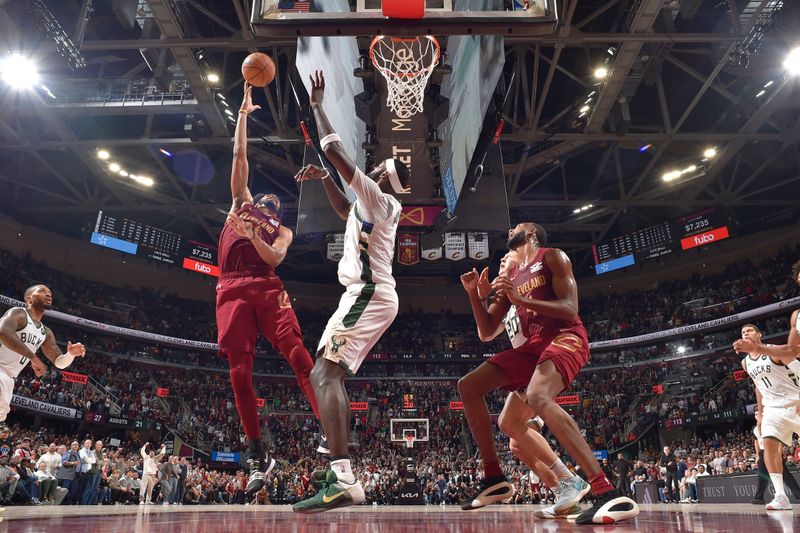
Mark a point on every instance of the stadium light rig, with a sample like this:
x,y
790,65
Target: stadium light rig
x,y
116,168
792,62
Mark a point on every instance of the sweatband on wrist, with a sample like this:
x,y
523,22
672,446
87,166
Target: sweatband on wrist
x,y
63,361
394,178
328,139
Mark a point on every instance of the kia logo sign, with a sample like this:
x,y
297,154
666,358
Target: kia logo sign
x,y
199,266
705,238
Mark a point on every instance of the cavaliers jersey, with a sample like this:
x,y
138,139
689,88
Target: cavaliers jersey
x,y
535,281
237,254
32,335
777,384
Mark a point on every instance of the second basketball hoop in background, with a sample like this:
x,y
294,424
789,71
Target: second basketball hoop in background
x,y
406,64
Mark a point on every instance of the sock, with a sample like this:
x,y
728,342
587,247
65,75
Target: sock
x,y
492,469
560,470
777,482
245,395
254,447
600,484
343,470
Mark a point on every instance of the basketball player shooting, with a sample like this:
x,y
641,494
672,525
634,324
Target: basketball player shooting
x,y
526,442
21,335
775,371
251,297
367,307
543,289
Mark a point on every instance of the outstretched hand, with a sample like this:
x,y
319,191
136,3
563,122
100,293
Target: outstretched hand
x,y
470,280
745,346
317,88
247,101
76,350
241,227
311,172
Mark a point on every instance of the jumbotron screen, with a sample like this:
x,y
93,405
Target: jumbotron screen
x,y
137,238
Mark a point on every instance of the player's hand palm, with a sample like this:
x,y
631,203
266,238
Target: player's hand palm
x,y
76,350
317,88
247,101
310,172
470,280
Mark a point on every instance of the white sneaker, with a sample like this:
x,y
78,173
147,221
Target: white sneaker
x,y
141,503
780,503
569,494
549,513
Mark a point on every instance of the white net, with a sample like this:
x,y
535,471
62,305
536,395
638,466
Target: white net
x,y
406,64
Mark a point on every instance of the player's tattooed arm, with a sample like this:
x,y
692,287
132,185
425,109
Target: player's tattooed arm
x,y
334,150
12,321
53,352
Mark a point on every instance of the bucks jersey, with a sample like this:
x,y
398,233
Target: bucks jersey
x,y
777,384
370,235
32,335
514,328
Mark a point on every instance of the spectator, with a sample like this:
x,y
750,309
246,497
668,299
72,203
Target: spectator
x,y
149,473
669,466
47,483
68,473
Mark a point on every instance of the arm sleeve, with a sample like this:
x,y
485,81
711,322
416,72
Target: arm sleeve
x,y
375,206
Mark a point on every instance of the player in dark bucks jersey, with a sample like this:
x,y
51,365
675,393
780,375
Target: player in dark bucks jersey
x,y
21,335
251,297
543,289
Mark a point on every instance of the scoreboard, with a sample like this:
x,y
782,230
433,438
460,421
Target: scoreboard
x,y
157,244
684,233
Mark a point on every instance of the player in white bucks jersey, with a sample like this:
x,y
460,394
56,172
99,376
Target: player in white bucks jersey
x,y
778,395
367,307
21,335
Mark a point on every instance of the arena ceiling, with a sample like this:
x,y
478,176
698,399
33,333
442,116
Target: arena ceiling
x,y
685,76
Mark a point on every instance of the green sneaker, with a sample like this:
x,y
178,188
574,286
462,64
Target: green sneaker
x,y
331,494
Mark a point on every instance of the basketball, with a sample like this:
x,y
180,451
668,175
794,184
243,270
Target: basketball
x,y
258,69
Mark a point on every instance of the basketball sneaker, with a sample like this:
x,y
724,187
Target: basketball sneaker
x,y
260,466
570,492
332,494
549,513
780,503
609,508
491,490
323,445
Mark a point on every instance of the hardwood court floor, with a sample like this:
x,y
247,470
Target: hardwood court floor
x,y
278,519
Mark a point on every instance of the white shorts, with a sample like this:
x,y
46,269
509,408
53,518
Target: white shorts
x,y
6,392
364,314
780,423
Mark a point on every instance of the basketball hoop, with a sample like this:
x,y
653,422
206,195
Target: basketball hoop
x,y
406,64
410,438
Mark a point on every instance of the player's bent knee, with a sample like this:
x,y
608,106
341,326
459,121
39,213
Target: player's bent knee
x,y
468,387
539,401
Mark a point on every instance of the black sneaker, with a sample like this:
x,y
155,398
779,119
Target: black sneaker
x,y
260,466
323,445
609,508
491,490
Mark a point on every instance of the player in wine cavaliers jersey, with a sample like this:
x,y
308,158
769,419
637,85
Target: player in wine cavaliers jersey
x,y
251,297
543,289
21,335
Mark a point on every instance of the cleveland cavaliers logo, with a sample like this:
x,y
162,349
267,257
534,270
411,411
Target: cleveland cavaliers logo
x,y
568,341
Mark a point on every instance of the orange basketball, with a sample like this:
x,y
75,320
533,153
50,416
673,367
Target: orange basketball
x,y
258,69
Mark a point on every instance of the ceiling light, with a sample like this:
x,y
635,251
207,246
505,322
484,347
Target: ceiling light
x,y
770,82
709,153
681,349
113,167
144,180
576,211
645,148
123,173
600,73
690,168
103,154
671,175
761,93
585,109
213,78
792,62
229,112
19,71
165,152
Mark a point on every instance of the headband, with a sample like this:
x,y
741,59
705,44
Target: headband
x,y
394,178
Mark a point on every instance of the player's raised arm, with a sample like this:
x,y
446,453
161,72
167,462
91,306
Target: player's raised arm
x,y
12,321
488,320
564,286
329,141
53,352
240,170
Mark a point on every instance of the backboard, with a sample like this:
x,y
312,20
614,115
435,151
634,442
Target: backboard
x,y
400,427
